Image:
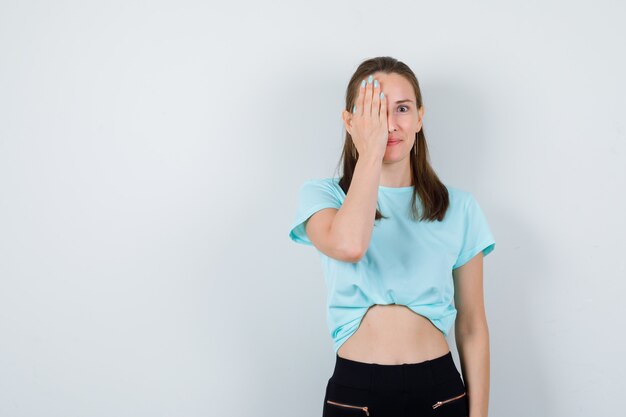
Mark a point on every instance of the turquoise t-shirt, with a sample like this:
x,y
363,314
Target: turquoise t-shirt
x,y
407,262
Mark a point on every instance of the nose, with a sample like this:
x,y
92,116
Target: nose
x,y
391,123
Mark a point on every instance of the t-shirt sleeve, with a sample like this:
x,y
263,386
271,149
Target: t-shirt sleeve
x,y
477,235
313,196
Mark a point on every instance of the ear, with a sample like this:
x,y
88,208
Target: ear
x,y
347,118
420,115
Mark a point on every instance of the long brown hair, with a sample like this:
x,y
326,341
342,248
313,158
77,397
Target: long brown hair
x,y
432,192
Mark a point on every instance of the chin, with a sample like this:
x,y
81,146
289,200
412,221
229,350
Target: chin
x,y
394,157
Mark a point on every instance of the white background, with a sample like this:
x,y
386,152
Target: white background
x,y
150,156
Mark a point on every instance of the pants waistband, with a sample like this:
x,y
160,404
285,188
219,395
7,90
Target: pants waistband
x,y
406,376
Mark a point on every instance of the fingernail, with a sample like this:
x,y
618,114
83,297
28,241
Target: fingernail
x,y
375,83
363,83
382,95
369,79
354,109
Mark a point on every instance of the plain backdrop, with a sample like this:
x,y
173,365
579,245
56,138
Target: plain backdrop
x,y
150,157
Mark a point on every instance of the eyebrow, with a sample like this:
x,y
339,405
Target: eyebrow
x,y
404,101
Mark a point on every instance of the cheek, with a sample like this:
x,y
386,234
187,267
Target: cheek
x,y
407,121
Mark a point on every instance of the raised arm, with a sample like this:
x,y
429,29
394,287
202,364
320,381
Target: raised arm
x,y
345,233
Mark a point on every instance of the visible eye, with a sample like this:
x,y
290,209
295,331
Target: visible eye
x,y
406,107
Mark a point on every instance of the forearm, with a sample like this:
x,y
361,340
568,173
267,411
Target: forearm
x,y
354,222
473,348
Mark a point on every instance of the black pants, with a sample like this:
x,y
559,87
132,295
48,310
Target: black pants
x,y
430,388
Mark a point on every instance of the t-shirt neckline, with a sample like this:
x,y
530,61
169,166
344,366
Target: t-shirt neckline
x,y
395,189
385,188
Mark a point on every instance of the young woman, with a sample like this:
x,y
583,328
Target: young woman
x,y
397,247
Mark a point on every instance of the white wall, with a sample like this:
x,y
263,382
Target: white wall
x,y
150,155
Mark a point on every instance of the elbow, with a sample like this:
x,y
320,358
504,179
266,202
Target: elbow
x,y
349,252
354,253
354,257
346,248
474,327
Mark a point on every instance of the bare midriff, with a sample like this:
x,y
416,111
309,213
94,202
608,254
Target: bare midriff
x,y
394,334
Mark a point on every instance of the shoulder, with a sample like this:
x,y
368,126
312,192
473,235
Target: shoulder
x,y
326,188
328,184
458,196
